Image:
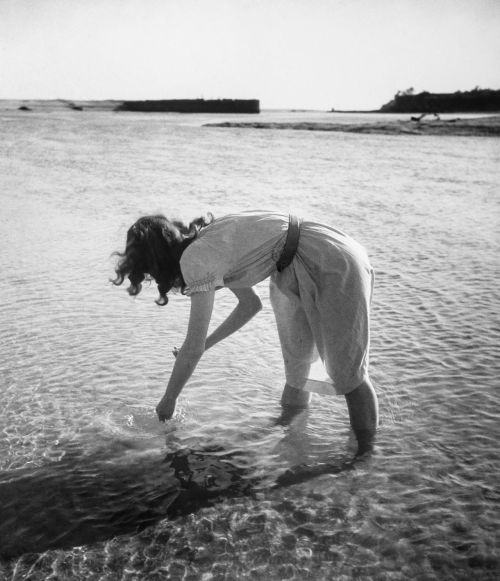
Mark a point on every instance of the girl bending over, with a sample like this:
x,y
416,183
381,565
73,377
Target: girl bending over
x,y
321,284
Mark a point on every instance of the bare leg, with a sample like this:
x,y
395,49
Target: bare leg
x,y
293,402
296,398
363,413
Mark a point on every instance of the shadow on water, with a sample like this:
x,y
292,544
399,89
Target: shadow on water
x,y
86,498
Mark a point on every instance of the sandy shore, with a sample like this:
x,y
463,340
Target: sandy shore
x,y
479,126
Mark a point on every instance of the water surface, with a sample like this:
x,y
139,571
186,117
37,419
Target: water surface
x,y
83,364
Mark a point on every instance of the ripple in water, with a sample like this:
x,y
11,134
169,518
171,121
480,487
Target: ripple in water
x,y
83,459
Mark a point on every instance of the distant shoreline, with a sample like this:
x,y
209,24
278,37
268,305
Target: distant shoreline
x,y
479,126
485,124
484,100
207,106
221,106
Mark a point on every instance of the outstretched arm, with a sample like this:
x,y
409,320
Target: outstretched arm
x,y
197,342
190,352
248,306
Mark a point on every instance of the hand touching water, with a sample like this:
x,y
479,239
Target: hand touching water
x,y
166,408
187,358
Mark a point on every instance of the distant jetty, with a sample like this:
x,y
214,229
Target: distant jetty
x,y
475,101
239,106
192,106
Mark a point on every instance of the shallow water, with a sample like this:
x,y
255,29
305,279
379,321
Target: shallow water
x,y
83,364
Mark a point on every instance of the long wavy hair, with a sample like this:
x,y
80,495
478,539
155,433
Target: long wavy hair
x,y
153,251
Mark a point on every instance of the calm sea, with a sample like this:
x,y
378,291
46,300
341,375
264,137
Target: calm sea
x,y
93,487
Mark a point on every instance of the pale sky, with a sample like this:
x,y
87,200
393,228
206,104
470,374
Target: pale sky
x,y
318,54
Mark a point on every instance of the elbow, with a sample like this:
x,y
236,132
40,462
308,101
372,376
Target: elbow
x,y
255,306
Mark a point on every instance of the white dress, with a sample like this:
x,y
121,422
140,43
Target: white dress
x,y
321,301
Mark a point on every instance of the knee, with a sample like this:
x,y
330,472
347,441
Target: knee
x,y
363,391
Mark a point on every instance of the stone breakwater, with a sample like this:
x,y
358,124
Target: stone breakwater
x,y
480,126
192,106
240,106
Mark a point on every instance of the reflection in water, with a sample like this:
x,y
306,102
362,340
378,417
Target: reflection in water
x,y
81,499
295,445
86,498
305,472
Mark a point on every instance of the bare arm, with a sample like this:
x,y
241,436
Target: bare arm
x,y
196,341
248,306
190,352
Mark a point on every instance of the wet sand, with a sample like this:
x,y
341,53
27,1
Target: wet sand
x,y
479,126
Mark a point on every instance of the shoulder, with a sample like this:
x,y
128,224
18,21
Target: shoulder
x,y
197,254
201,266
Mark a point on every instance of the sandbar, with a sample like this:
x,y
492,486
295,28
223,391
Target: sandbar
x,y
488,126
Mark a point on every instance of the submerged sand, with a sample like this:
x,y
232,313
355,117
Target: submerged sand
x,y
479,126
